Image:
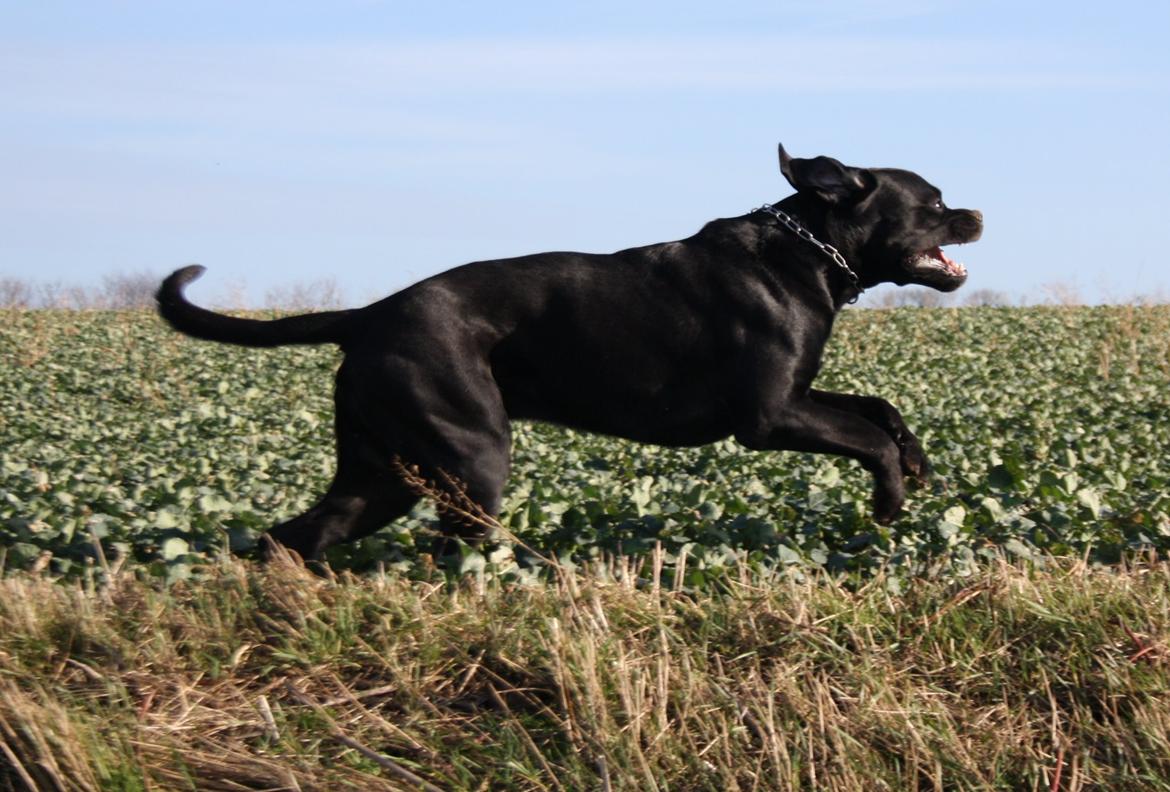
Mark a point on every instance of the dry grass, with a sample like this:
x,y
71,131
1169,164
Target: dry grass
x,y
272,678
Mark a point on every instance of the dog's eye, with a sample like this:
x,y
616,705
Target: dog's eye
x,y
938,205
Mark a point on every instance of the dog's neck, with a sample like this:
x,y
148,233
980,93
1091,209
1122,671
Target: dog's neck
x,y
838,282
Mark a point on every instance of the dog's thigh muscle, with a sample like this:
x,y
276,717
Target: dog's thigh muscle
x,y
365,494
445,418
469,456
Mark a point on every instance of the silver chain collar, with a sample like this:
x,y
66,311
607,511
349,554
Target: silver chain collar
x,y
790,223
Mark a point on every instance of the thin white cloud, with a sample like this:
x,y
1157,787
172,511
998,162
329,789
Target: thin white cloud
x,y
345,108
145,78
168,99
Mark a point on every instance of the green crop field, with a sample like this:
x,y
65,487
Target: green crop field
x,y
714,619
1047,428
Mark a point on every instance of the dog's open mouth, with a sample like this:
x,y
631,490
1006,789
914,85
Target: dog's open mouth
x,y
935,258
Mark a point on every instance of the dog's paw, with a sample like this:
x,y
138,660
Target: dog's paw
x,y
283,541
887,504
915,465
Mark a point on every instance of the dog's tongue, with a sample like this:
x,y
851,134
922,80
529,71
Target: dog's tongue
x,y
941,255
951,266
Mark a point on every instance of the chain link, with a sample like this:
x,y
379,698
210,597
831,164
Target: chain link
x,y
790,223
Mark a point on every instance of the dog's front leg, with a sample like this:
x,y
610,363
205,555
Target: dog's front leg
x,y
886,417
805,424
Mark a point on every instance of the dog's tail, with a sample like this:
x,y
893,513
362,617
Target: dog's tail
x,y
314,328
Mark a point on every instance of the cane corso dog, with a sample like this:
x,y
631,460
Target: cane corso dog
x,y
678,344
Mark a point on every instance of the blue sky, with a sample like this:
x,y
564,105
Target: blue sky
x,y
380,142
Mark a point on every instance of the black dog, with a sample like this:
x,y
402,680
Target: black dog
x,y
680,343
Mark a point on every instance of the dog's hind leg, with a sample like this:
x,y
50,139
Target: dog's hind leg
x,y
354,506
462,470
458,434
475,481
365,495
344,514
395,417
463,463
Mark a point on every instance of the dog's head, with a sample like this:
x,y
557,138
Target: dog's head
x,y
891,224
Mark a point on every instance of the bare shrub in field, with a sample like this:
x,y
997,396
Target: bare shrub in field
x,y
1154,297
232,296
131,291
62,296
15,293
908,298
987,298
925,298
19,293
323,293
1059,293
122,290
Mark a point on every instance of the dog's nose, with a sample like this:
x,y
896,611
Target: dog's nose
x,y
967,225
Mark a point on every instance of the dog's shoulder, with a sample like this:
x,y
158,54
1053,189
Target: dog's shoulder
x,y
727,234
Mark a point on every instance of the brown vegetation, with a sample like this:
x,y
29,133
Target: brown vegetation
x,y
273,678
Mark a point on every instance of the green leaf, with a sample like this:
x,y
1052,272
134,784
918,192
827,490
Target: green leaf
x,y
173,547
167,518
956,516
1018,548
993,508
1091,500
214,502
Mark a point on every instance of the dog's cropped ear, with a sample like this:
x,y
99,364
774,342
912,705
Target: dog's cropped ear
x,y
826,177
